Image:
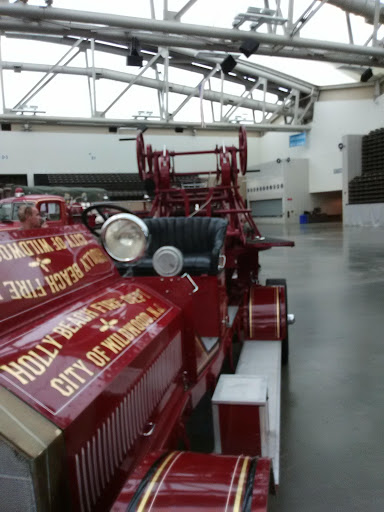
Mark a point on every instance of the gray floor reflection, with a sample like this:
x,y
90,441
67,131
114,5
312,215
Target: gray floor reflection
x,y
332,455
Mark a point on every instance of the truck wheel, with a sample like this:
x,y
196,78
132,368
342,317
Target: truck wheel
x,y
285,341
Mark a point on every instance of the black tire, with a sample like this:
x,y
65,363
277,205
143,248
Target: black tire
x,y
285,341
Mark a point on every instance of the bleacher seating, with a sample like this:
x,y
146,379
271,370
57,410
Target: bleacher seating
x,y
120,186
369,187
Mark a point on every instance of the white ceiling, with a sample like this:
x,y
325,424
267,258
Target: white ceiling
x,y
325,35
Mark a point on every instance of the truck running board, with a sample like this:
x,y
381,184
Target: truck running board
x,y
246,406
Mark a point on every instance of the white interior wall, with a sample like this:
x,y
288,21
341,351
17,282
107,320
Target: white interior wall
x,y
37,152
287,181
332,120
45,152
297,198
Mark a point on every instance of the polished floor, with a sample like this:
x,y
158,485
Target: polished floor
x,y
332,425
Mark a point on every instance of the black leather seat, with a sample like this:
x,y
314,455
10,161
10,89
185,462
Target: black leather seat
x,y
200,239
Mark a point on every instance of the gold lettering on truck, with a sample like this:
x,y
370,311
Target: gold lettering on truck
x,y
59,281
72,378
34,363
25,248
25,289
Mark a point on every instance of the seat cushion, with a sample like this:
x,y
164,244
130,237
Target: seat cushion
x,y
200,239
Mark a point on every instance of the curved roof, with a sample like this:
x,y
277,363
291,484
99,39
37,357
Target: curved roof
x,y
182,63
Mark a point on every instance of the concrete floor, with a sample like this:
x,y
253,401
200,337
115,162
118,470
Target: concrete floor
x,y
332,450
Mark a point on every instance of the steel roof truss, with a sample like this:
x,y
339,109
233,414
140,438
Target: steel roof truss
x,y
2,81
171,39
285,107
89,86
166,85
306,16
246,94
200,86
311,101
132,82
349,27
211,102
93,88
264,100
184,9
47,78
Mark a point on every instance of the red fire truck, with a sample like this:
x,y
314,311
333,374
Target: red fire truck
x,y
54,210
106,350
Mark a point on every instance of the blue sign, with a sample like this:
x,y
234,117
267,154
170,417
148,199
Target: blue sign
x,y
297,140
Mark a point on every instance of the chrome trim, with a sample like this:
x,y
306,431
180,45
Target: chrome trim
x,y
132,218
195,287
277,312
118,430
123,427
221,265
291,318
101,461
79,482
151,428
90,471
99,458
85,480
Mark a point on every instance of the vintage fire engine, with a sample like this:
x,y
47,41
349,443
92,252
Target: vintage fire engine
x,y
54,209
106,350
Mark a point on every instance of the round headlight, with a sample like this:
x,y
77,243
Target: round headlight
x,y
124,237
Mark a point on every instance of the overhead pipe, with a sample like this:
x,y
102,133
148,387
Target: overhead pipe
x,y
244,67
253,70
365,8
114,36
297,53
136,123
174,27
14,28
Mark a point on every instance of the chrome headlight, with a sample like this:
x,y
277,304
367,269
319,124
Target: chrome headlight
x,y
168,261
125,237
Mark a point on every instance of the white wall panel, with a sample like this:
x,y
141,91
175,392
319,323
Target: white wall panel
x,y
332,120
40,152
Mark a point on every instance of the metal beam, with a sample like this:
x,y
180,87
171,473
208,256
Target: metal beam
x,y
184,9
93,74
189,57
174,27
50,74
365,8
145,123
152,41
195,92
306,16
132,82
251,69
12,27
228,99
246,94
2,81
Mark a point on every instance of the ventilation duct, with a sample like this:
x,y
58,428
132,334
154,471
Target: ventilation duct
x,y
365,8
